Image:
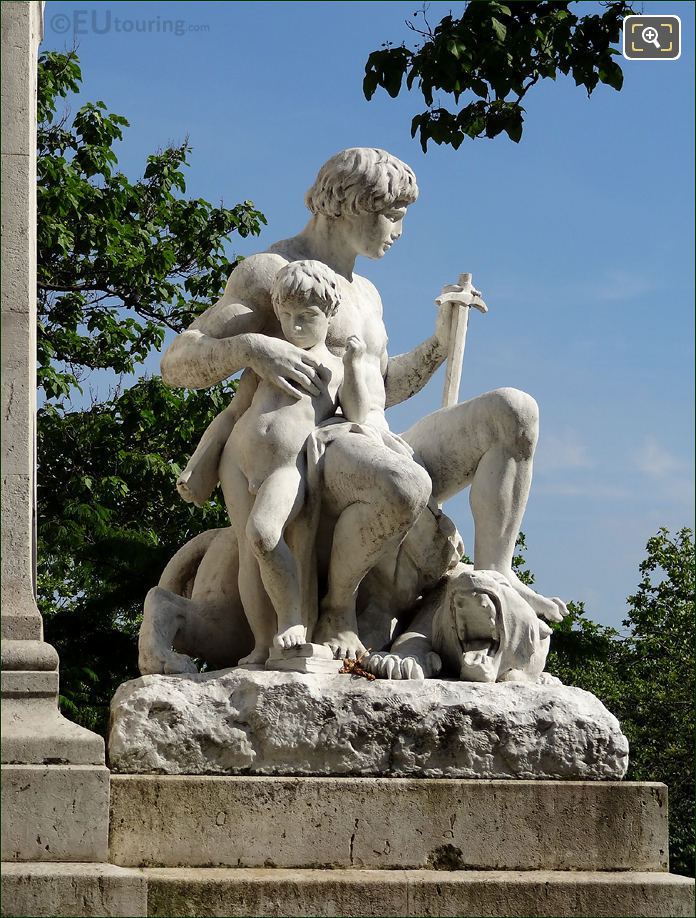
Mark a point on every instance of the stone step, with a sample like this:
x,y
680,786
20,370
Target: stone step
x,y
390,823
54,890
252,892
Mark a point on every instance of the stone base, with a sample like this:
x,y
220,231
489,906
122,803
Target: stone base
x,y
55,812
79,890
271,723
305,658
226,892
55,786
390,823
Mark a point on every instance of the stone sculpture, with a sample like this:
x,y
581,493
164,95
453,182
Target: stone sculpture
x,y
349,515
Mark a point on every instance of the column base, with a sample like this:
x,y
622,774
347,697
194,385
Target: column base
x,y
55,786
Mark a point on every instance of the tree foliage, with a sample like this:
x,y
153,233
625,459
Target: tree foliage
x,y
490,58
119,263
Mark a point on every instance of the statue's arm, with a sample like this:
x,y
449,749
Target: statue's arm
x,y
408,373
228,336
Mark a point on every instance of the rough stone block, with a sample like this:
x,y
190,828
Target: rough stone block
x,y
245,722
75,890
55,812
387,823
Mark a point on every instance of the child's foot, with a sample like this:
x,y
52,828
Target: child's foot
x,y
257,657
292,636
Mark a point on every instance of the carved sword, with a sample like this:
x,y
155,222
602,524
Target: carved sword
x,y
462,296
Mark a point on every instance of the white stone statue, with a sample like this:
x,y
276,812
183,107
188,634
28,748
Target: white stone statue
x,y
327,499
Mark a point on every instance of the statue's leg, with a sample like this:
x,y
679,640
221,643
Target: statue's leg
x,y
487,443
218,631
257,606
377,495
277,503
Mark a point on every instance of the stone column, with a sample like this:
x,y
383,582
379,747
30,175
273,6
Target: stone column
x,y
55,786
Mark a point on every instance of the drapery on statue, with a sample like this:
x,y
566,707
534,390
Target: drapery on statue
x,y
351,519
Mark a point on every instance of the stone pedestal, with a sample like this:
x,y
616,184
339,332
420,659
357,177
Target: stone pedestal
x,y
233,846
387,823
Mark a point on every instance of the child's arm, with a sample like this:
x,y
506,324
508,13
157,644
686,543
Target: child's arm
x,y
353,395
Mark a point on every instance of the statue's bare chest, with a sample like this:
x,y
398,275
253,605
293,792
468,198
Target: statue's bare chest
x,y
359,314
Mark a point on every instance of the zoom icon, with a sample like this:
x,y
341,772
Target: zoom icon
x,y
652,38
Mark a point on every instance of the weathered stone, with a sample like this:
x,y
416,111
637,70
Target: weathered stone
x,y
75,890
487,894
55,812
241,722
393,823
303,658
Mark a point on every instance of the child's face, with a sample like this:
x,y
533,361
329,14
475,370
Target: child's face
x,y
303,324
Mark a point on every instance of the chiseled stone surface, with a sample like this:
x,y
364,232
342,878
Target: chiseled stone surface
x,y
486,894
250,722
74,890
386,823
55,813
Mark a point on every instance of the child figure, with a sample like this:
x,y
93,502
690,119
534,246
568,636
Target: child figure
x,y
264,460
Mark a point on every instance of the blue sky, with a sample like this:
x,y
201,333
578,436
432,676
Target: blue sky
x,y
580,237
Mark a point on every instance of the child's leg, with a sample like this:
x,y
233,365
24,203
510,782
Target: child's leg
x,y
277,503
257,606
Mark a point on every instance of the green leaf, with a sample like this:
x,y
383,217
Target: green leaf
x,y
499,29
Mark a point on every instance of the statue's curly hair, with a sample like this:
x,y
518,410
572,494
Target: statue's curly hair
x,y
361,180
300,280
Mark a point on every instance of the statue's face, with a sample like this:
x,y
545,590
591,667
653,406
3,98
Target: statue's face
x,y
475,615
372,235
303,324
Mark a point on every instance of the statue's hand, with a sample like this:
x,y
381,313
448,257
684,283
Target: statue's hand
x,y
355,348
454,295
392,666
288,367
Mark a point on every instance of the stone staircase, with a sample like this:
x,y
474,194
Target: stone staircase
x,y
272,846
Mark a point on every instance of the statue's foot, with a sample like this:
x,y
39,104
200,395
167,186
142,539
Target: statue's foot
x,y
346,644
338,629
553,609
292,636
257,657
393,666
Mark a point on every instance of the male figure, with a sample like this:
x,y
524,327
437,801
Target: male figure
x,y
265,467
358,203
